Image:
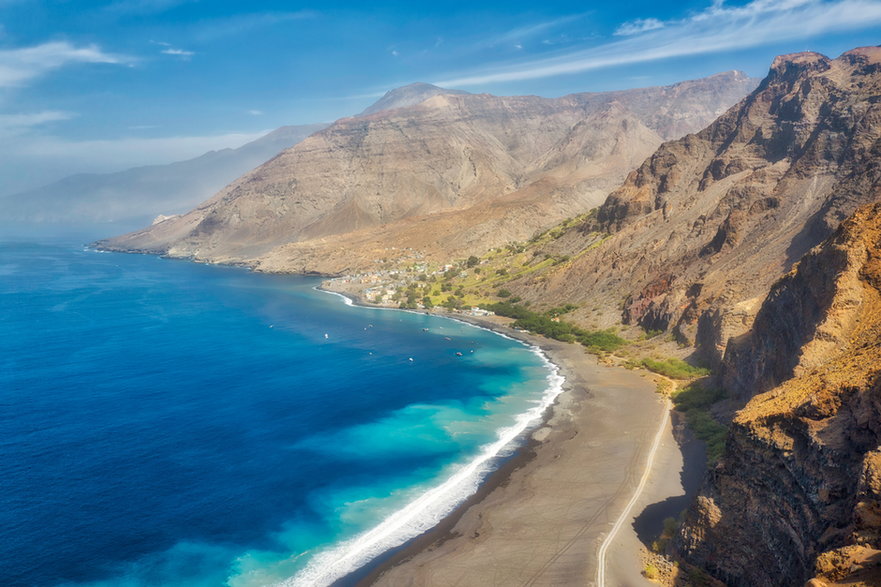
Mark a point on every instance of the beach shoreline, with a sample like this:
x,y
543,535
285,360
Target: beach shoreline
x,y
564,424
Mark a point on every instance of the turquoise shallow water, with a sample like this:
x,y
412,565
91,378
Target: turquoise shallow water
x,y
168,423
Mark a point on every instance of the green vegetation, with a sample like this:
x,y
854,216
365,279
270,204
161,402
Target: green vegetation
x,y
552,327
695,401
560,310
504,293
472,261
651,572
670,527
673,368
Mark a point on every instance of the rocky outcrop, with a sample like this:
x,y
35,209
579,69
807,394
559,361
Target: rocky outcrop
x,y
797,493
703,227
454,173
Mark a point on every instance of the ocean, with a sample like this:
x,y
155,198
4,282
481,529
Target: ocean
x,y
170,423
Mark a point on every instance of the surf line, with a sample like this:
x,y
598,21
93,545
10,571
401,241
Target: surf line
x,y
430,507
604,547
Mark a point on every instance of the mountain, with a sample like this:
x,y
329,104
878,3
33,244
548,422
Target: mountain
x,y
797,493
694,238
455,173
141,193
408,95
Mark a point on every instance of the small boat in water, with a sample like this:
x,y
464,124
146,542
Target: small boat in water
x,y
458,354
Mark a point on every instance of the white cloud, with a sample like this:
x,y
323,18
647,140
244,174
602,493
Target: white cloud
x,y
640,25
254,112
177,52
18,66
517,35
717,28
16,124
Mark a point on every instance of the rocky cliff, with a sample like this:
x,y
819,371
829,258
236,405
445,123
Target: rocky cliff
x,y
491,169
703,227
797,493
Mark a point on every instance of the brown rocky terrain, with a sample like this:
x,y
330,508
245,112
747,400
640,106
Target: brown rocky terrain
x,y
455,172
699,232
797,494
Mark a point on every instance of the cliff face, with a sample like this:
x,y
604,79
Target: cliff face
x,y
704,226
798,491
493,168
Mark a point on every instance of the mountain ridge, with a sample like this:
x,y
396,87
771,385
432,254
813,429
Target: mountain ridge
x,y
703,227
140,193
448,153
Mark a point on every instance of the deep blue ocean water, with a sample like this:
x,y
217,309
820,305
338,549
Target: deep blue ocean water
x,y
169,423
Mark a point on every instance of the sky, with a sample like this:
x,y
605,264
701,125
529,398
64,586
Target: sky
x,y
99,86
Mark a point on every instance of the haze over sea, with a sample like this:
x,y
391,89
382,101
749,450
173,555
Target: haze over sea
x,y
169,423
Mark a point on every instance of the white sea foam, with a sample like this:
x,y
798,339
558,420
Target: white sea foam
x,y
427,510
346,299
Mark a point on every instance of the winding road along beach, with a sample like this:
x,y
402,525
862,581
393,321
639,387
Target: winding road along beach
x,y
542,519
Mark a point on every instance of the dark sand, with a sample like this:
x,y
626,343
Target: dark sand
x,y
540,519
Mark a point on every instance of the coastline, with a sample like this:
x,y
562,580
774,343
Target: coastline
x,y
451,543
540,518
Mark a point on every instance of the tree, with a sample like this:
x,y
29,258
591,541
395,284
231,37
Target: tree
x,y
472,261
453,303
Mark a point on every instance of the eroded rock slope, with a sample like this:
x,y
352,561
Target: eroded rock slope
x,y
797,493
503,167
706,224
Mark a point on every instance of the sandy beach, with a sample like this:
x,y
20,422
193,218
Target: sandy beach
x,y
541,519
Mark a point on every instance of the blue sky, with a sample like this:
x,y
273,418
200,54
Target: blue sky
x,y
101,86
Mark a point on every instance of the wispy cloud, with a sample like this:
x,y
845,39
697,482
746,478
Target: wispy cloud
x,y
717,28
16,124
254,112
177,52
640,25
209,30
518,35
136,148
18,66
35,159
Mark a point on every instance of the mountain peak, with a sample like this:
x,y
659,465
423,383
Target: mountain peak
x,y
796,63
408,95
866,54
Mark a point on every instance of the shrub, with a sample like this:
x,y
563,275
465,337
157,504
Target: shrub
x,y
452,303
595,340
674,368
603,340
695,400
504,293
560,310
472,261
651,572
